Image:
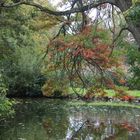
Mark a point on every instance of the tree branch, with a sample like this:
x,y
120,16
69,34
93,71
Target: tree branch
x,y
59,13
116,38
120,32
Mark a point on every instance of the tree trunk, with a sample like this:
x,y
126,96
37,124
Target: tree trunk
x,y
134,28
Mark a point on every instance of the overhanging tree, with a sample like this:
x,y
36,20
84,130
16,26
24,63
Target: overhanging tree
x,y
81,6
76,20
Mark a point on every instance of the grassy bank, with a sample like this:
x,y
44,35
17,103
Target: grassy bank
x,y
114,104
135,93
110,93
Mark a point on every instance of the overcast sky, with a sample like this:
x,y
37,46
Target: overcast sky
x,y
92,14
55,2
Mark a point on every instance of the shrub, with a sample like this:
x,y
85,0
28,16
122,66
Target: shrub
x,y
53,88
5,104
133,59
23,72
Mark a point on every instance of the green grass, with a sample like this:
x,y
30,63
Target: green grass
x,y
110,93
135,93
114,104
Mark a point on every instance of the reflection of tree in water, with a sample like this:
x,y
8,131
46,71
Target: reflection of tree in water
x,y
37,120
55,128
52,120
55,121
104,124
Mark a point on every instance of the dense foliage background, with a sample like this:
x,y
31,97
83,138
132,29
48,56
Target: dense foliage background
x,y
49,55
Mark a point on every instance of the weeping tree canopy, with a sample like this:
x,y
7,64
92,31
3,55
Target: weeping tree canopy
x,y
87,33
73,8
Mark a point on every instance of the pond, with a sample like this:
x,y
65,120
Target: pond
x,y
43,119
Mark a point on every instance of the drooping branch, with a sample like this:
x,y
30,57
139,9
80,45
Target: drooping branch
x,y
123,5
120,32
116,38
76,132
59,13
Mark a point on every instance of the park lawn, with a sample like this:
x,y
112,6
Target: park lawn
x,y
110,93
135,93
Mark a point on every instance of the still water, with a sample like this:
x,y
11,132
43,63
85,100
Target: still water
x,y
42,119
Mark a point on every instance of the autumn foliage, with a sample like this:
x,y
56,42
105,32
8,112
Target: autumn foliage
x,y
88,53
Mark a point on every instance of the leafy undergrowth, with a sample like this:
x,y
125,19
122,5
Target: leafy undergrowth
x,y
120,95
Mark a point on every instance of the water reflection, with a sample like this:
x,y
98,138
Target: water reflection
x,y
104,124
53,120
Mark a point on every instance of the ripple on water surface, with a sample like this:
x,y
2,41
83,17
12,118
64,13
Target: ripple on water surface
x,y
54,120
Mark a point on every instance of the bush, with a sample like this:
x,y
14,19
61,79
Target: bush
x,y
53,88
5,104
133,59
23,72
